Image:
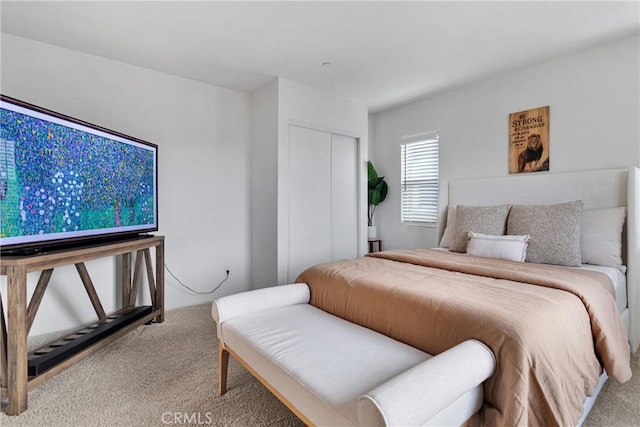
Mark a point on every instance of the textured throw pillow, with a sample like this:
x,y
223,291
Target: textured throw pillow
x,y
601,237
447,235
510,248
554,231
480,219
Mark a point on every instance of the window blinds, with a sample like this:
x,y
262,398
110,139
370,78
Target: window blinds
x,y
419,179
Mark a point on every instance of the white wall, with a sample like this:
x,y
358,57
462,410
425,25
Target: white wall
x,y
264,185
274,107
301,104
594,99
203,135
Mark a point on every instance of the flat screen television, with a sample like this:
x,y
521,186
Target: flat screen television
x,y
64,181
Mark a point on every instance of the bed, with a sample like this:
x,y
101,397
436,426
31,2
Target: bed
x,y
558,331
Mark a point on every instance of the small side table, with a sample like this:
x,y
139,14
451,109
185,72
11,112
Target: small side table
x,y
373,243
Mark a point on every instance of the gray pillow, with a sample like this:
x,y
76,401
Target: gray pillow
x,y
479,219
554,231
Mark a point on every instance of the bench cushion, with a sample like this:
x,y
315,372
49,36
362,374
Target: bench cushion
x,y
320,362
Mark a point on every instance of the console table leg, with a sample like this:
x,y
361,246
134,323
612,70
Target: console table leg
x,y
159,300
17,377
126,279
3,347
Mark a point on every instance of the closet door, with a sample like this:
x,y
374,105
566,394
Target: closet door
x,y
309,199
323,198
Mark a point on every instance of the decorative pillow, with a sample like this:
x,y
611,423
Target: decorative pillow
x,y
601,237
449,229
554,231
480,219
510,248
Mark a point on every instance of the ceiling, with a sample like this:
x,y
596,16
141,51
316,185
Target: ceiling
x,y
382,53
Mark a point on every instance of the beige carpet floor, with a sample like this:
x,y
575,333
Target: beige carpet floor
x,y
165,374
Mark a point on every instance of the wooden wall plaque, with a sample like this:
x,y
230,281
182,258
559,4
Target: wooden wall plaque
x,y
529,140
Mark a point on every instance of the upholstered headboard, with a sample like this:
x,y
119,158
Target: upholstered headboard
x,y
597,189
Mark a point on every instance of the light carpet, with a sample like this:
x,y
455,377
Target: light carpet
x,y
166,374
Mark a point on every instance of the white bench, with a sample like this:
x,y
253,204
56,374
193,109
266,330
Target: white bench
x,y
329,371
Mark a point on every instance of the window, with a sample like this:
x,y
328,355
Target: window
x,y
419,179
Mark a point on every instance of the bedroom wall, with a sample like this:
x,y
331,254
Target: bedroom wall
x,y
320,109
203,134
275,106
264,185
594,99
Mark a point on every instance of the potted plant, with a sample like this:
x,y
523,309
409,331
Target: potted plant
x,y
377,193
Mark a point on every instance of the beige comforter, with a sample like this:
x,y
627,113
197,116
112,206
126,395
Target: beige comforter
x,y
550,327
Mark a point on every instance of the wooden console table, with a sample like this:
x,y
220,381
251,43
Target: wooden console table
x,y
15,380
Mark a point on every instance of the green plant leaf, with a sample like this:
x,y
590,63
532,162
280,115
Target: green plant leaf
x,y
377,188
371,173
384,188
375,198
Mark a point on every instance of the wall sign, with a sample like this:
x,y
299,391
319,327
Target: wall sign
x,y
529,140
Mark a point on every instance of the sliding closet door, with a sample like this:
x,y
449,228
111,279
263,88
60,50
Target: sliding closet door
x,y
323,198
309,199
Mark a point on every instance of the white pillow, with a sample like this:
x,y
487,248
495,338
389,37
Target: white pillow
x,y
601,237
509,247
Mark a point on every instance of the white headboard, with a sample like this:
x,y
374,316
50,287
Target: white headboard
x,y
597,189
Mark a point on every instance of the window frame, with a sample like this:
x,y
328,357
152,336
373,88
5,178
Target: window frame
x,y
431,140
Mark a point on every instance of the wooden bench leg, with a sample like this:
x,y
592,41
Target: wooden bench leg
x,y
223,365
